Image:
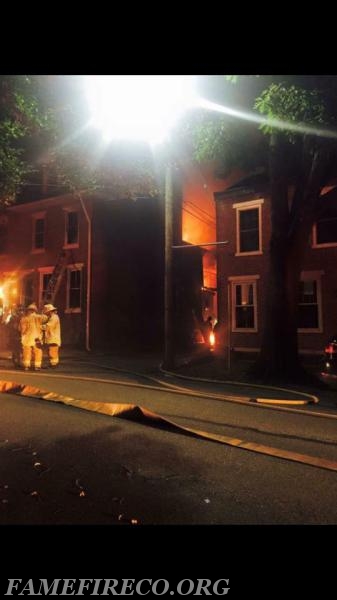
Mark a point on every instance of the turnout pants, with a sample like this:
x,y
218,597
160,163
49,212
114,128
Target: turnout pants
x,y
30,353
53,354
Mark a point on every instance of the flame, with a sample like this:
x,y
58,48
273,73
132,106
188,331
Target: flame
x,y
211,339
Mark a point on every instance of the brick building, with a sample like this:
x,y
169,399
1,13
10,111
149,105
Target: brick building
x,y
243,218
109,292
237,210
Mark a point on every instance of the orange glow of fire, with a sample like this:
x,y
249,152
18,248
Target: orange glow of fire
x,y
211,339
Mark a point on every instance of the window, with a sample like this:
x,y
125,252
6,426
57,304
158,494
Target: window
x,y
309,305
244,313
71,238
325,232
74,290
248,227
45,275
325,228
3,238
27,290
39,222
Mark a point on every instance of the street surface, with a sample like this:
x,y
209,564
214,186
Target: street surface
x,y
61,464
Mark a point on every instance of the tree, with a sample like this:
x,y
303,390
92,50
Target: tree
x,y
299,120
20,117
44,128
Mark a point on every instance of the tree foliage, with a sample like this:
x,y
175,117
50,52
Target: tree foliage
x,y
296,117
20,117
44,126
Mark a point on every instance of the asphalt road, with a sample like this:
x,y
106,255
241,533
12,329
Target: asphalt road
x,y
60,464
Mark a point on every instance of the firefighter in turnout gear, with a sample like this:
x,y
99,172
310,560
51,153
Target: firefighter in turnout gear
x,y
14,335
52,333
30,328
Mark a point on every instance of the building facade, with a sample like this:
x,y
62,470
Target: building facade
x,y
237,211
108,255
243,217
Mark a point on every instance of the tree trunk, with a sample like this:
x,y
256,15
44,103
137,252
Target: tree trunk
x,y
279,352
279,356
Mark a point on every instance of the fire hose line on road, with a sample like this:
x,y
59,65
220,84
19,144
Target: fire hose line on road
x,y
132,411
310,398
179,390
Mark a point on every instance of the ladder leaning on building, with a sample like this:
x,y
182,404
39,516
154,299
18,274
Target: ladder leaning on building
x,y
55,279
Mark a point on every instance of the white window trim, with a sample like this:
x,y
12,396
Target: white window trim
x,y
238,280
66,246
70,268
240,206
43,271
21,276
35,217
315,243
314,276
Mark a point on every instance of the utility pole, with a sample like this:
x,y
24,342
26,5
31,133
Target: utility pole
x,y
168,279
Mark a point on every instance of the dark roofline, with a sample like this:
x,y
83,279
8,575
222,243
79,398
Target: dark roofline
x,y
51,201
242,192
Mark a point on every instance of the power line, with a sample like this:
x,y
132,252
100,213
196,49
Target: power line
x,y
200,209
198,217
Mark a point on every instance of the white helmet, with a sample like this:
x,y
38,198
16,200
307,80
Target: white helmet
x,y
49,308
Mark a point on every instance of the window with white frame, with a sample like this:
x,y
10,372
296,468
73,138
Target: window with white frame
x,y
249,227
27,288
45,275
74,289
72,229
310,304
39,226
244,304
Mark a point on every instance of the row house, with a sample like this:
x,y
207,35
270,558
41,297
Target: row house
x,y
32,237
240,214
108,255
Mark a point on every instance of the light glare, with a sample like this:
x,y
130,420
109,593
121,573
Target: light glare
x,y
138,107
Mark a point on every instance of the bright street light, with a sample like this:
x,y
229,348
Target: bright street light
x,y
138,107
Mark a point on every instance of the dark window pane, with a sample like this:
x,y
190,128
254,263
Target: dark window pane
x,y
327,230
308,307
75,279
75,289
249,230
3,238
308,316
72,228
45,282
27,290
39,233
308,292
244,317
75,299
249,219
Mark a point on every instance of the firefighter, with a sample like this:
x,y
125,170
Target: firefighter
x,y
14,336
52,334
30,327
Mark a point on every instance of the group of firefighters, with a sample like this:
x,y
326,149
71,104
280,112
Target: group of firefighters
x,y
29,331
